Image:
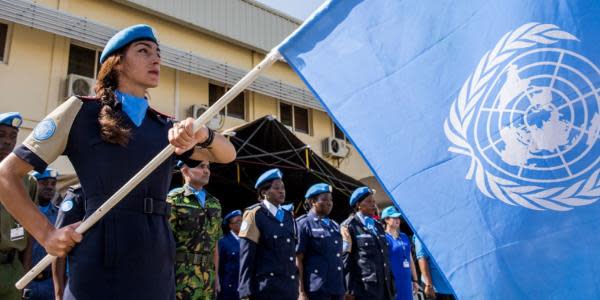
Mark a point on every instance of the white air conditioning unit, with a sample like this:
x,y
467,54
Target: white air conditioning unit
x,y
334,147
215,123
80,85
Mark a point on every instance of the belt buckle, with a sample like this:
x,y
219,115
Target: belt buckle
x,y
148,205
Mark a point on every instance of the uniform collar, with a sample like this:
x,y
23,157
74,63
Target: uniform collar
x,y
272,208
234,235
361,218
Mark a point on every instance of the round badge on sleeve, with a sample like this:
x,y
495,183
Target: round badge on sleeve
x,y
44,130
66,205
244,226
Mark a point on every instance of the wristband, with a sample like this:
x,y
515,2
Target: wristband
x,y
209,139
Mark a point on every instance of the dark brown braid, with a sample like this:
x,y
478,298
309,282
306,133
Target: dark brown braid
x,y
112,128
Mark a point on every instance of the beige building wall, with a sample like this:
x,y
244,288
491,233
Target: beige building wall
x,y
33,77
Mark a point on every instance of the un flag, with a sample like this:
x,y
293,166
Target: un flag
x,y
481,119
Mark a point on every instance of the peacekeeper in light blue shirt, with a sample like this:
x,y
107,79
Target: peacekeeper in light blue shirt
x,y
319,249
435,284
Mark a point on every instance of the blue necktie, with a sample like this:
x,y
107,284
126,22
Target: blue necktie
x,y
279,215
370,223
134,107
200,195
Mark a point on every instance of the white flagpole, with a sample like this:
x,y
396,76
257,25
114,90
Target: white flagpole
x,y
271,58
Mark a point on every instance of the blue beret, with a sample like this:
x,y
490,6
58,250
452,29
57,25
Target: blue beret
x,y
12,119
359,194
390,212
288,207
48,173
125,37
230,215
317,189
268,176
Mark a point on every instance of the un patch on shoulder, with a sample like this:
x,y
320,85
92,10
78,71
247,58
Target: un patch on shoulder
x,y
66,205
244,226
44,130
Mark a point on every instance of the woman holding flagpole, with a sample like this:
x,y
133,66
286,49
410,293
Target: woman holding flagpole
x,y
129,254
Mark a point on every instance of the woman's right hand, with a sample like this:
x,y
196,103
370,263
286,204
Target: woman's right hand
x,y
59,241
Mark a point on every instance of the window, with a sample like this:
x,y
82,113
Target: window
x,y
3,41
83,61
295,117
236,108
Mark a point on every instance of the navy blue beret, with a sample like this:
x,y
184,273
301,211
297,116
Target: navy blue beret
x,y
230,215
359,194
268,176
125,37
317,189
12,119
48,173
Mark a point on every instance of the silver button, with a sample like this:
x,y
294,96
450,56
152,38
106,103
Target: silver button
x,y
291,258
384,264
230,285
293,277
367,244
272,274
338,255
363,279
274,236
288,240
381,250
339,268
335,241
281,224
331,230
316,271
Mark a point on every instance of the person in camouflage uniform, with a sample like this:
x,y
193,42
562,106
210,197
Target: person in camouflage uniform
x,y
13,238
196,223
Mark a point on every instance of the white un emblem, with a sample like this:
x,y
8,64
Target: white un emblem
x,y
528,117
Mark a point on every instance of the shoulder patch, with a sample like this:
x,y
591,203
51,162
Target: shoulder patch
x,y
44,130
66,205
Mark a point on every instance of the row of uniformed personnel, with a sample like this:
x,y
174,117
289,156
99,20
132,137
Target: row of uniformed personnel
x,y
312,257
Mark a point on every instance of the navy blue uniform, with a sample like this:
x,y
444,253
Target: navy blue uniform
x,y
267,255
321,245
229,267
366,261
130,253
72,208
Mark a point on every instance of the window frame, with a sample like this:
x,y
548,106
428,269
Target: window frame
x,y
293,111
97,53
7,42
333,127
225,111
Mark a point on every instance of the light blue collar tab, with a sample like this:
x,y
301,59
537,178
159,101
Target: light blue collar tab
x,y
134,107
200,195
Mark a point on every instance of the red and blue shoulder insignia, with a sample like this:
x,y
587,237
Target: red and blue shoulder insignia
x,y
88,98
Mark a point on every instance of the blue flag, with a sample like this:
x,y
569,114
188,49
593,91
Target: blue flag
x,y
481,119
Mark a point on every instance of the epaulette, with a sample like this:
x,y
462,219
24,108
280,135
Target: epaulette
x,y
302,217
175,191
251,207
74,187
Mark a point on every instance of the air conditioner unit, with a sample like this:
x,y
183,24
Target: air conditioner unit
x,y
80,85
334,147
215,123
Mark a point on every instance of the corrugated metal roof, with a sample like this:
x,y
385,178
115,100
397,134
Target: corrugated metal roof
x,y
245,22
81,29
